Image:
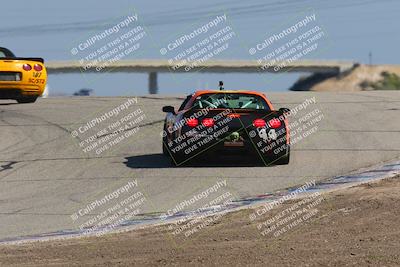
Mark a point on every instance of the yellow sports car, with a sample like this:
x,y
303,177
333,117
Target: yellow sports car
x,y
22,79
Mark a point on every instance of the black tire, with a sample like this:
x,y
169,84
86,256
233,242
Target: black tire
x,y
179,160
29,99
284,160
164,149
164,143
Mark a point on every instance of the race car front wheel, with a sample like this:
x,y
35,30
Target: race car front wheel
x,y
29,99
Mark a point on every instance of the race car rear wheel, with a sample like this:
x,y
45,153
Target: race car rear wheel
x,y
165,142
29,99
284,160
164,149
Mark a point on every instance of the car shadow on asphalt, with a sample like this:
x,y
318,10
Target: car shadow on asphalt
x,y
160,161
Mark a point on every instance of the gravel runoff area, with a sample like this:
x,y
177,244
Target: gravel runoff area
x,y
357,226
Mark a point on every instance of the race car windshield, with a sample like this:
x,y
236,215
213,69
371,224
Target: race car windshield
x,y
230,100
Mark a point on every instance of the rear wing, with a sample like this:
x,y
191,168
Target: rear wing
x,y
37,59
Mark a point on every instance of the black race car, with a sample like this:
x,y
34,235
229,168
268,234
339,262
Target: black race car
x,y
220,122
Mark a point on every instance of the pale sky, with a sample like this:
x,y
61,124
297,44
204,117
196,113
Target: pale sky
x,y
49,29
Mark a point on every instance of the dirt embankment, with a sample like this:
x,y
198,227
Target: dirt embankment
x,y
359,226
356,79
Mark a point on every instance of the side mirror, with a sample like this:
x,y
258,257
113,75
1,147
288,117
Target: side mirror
x,y
168,109
284,110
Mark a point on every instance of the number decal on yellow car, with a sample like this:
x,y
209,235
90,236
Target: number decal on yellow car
x,y
36,74
36,81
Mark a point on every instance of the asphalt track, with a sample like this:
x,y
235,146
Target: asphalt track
x,y
45,176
